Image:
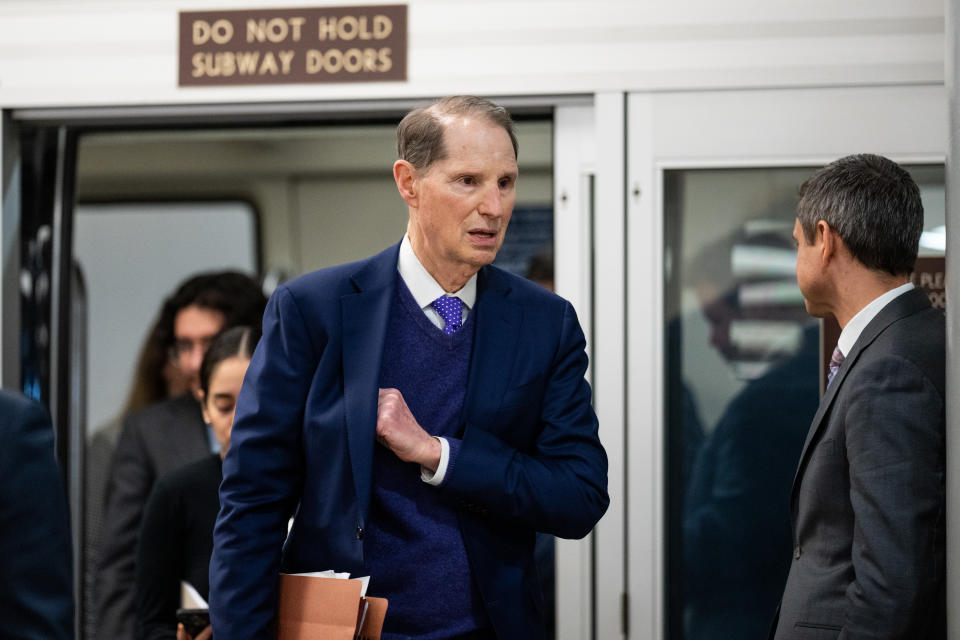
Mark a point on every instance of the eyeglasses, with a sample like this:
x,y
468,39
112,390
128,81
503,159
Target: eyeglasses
x,y
185,347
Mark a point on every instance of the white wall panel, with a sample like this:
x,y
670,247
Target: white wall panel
x,y
609,365
98,52
575,152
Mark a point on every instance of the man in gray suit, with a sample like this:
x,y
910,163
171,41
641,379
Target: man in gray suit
x,y
167,435
868,499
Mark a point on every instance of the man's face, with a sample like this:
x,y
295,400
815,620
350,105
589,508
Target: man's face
x,y
809,273
193,329
720,315
463,202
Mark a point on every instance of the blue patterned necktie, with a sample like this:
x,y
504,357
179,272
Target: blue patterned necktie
x,y
450,309
835,361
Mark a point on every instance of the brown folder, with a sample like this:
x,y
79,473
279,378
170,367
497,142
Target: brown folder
x,y
314,608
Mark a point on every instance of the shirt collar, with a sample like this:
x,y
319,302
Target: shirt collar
x,y
423,286
859,322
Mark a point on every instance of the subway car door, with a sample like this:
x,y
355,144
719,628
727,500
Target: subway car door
x,y
89,173
717,426
52,301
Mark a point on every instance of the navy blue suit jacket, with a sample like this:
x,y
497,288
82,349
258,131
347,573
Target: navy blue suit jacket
x,y
304,435
36,565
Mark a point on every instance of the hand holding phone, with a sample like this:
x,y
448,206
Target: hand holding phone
x,y
194,621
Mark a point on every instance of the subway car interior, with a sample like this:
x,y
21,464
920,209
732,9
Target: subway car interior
x,y
656,192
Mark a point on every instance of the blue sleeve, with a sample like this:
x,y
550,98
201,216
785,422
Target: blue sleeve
x,y
36,600
559,484
262,475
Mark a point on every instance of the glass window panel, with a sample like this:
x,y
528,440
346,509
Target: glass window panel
x,y
742,387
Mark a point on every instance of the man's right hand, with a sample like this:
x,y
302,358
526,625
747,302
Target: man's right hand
x,y
182,634
399,431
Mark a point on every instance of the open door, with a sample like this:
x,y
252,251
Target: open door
x,y
723,372
52,365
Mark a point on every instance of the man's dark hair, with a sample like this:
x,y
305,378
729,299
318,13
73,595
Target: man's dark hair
x,y
874,206
420,133
237,296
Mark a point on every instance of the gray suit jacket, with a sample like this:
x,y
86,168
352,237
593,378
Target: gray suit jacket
x,y
155,440
868,499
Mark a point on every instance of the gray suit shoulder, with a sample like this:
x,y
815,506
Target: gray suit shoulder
x,y
920,338
165,435
165,412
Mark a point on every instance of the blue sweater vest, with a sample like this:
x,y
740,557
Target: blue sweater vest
x,y
413,547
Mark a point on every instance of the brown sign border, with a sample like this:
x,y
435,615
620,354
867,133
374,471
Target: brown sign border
x,y
364,56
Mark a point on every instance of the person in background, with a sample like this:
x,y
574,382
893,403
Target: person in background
x,y
36,564
176,536
155,378
540,269
358,415
167,435
869,496
736,530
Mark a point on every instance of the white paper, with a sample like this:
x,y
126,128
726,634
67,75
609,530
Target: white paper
x,y
189,598
330,573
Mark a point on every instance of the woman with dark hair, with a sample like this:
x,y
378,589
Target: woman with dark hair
x,y
155,378
176,536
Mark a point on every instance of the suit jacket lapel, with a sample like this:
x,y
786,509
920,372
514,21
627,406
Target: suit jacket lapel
x,y
900,307
498,318
364,315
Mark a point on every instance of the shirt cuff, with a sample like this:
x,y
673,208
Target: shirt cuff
x,y
436,478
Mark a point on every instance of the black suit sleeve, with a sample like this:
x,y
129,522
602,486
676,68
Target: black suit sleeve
x,y
158,567
129,484
36,597
894,441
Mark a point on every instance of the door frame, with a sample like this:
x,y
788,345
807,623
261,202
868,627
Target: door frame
x,y
582,566
706,129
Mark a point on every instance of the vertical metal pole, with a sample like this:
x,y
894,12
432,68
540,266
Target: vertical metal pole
x,y
953,319
9,253
65,397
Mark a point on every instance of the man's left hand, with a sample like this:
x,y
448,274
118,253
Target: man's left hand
x,y
399,431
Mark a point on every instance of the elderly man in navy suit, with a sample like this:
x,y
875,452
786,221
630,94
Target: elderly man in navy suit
x,y
868,499
36,566
421,413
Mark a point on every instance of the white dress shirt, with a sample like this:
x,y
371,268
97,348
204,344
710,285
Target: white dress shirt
x,y
425,290
859,322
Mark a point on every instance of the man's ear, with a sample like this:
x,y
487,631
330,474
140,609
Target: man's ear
x,y
828,240
198,394
406,178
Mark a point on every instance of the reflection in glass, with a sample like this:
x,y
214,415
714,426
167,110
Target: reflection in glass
x,y
742,387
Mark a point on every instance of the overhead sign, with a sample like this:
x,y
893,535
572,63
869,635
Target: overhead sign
x,y
281,46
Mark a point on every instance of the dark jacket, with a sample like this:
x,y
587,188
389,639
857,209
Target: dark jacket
x,y
154,441
36,565
530,459
868,500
